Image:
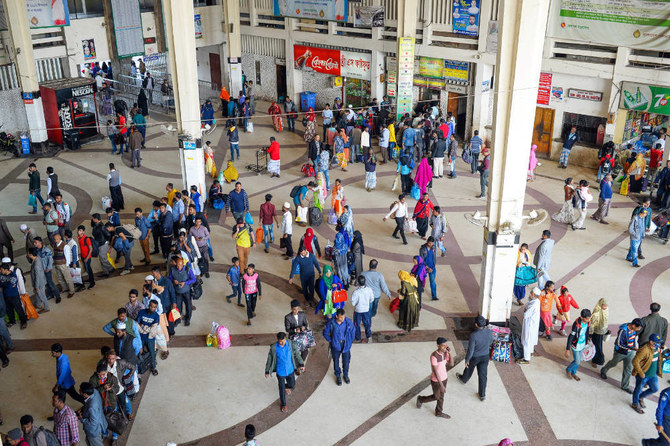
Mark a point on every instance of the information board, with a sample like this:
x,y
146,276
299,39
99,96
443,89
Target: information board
x,y
127,28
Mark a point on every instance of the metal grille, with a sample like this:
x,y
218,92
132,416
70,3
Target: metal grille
x,y
265,46
49,69
8,79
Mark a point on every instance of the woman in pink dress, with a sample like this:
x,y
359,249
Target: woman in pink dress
x,y
532,163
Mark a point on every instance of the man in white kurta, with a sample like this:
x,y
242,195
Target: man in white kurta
x,y
531,325
542,258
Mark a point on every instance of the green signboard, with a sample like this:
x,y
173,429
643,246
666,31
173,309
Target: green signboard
x,y
647,98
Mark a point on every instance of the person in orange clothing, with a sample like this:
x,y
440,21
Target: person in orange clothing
x,y
225,97
547,298
274,163
566,301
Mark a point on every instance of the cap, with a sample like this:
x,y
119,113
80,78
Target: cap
x,y
182,230
149,277
480,321
287,205
537,291
655,338
14,434
6,260
120,325
23,227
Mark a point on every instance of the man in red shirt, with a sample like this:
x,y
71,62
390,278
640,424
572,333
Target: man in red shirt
x,y
86,249
445,129
123,132
422,211
655,158
440,359
267,214
273,164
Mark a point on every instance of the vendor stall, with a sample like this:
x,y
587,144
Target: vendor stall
x,y
70,110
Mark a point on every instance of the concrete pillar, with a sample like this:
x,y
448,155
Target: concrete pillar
x,y
518,65
293,76
482,99
377,89
181,51
22,48
231,12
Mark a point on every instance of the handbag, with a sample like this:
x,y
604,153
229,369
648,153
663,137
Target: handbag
x,y
501,351
174,315
117,421
32,201
415,192
395,304
260,234
301,215
339,295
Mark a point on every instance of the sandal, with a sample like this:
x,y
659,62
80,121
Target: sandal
x,y
154,372
164,355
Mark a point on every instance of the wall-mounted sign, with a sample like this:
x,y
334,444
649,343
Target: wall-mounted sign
x,y
391,83
465,17
337,82
149,40
333,62
420,82
649,98
48,13
436,84
585,94
88,46
431,67
198,26
333,10
544,89
456,71
127,20
356,65
27,98
84,90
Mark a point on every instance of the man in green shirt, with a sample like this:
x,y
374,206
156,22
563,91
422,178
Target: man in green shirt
x,y
647,369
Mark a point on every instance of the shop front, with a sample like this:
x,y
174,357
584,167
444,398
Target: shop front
x,y
70,110
646,109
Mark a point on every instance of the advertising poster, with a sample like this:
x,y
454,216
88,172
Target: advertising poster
x,y
405,60
47,13
331,10
321,60
629,23
465,17
431,67
88,46
198,26
647,98
356,65
127,28
456,71
391,83
369,17
544,89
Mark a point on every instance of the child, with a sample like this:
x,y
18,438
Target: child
x,y
566,301
249,434
233,277
251,284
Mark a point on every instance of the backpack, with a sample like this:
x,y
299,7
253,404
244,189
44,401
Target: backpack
x,y
50,437
295,191
95,248
391,207
135,232
411,163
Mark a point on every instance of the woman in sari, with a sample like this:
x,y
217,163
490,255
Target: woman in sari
x,y
370,170
419,272
525,273
210,166
337,198
207,113
320,192
410,307
328,282
275,112
340,152
358,249
230,174
424,175
310,129
567,212
340,249
636,172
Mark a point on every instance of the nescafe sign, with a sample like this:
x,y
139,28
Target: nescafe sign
x,y
321,60
82,91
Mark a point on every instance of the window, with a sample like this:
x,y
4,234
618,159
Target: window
x,y
146,5
258,72
80,9
587,127
205,2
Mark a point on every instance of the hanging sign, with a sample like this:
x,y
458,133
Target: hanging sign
x,y
544,89
333,10
585,94
405,60
356,65
649,98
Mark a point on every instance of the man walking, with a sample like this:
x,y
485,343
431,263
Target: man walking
x,y
428,252
625,346
38,279
50,221
182,278
62,259
636,230
34,186
45,254
531,326
10,292
282,359
287,229
65,421
65,381
653,323
92,415
375,281
304,265
144,226
604,200
339,333
475,147
102,237
542,259
398,212
362,299
647,369
484,173
238,202
452,153
135,142
440,360
478,355
438,223
52,183
165,225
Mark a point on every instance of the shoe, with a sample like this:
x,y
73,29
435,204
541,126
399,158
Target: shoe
x,y
266,251
42,311
575,377
228,299
641,403
32,213
193,308
58,299
518,302
628,260
187,323
284,408
91,286
155,251
444,415
603,375
154,372
522,361
24,326
207,275
563,333
240,305
569,375
70,295
248,323
435,298
347,380
396,237
637,409
443,254
5,364
211,259
482,398
603,222
641,257
50,418
404,243
549,337
124,272
627,390
636,266
595,366
338,381
459,376
572,227
418,399
164,355
365,341
582,228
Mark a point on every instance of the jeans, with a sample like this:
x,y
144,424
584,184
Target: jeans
x,y
452,162
400,227
150,345
633,251
307,284
440,246
627,359
482,365
203,263
89,271
38,196
474,163
135,161
143,132
373,307
355,150
291,123
209,249
327,177
638,394
251,304
268,235
123,402
237,290
4,334
367,323
484,182
285,382
185,298
346,358
433,283
111,138
576,359
234,148
51,288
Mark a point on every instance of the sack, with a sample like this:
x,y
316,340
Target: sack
x,y
134,231
589,352
223,337
308,170
525,275
391,207
218,204
517,347
339,295
396,182
28,307
304,340
196,289
332,217
295,191
131,384
174,315
467,156
76,276
315,216
301,215
49,436
625,186
260,234
395,153
248,219
410,226
32,201
395,304
415,192
106,203
501,351
250,126
501,334
144,363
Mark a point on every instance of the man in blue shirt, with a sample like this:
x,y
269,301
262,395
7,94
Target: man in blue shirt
x,y
10,292
146,319
475,147
604,200
144,226
662,420
178,213
327,114
428,253
238,202
340,333
282,359
304,265
65,381
570,141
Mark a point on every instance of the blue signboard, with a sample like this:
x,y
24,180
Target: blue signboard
x,y
465,17
332,10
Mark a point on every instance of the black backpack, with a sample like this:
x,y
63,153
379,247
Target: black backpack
x,y
95,248
295,191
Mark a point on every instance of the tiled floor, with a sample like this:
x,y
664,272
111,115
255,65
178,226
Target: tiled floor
x,y
204,396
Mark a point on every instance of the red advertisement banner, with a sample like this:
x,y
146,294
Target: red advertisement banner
x,y
318,59
544,89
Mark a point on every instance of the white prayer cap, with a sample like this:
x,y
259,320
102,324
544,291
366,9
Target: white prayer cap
x,y
23,227
536,291
6,260
149,277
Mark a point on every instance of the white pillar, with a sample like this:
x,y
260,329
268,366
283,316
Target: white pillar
x,y
377,89
231,10
293,76
179,30
518,65
482,99
22,43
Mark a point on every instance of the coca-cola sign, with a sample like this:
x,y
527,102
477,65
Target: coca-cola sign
x,y
321,60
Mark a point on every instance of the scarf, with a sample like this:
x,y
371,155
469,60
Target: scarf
x,y
406,277
230,174
600,316
358,238
328,279
309,237
419,270
424,175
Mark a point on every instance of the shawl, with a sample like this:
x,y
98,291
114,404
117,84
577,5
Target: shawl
x,y
424,175
230,174
532,163
405,277
600,316
419,270
309,236
328,279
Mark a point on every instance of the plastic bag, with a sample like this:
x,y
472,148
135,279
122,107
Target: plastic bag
x,y
625,186
111,261
415,192
212,340
248,218
396,183
223,336
28,307
32,201
76,276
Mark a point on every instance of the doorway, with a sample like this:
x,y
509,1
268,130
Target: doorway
x,y
457,104
215,70
543,128
281,83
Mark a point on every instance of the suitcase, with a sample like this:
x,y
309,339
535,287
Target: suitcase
x,y
315,216
144,364
106,203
